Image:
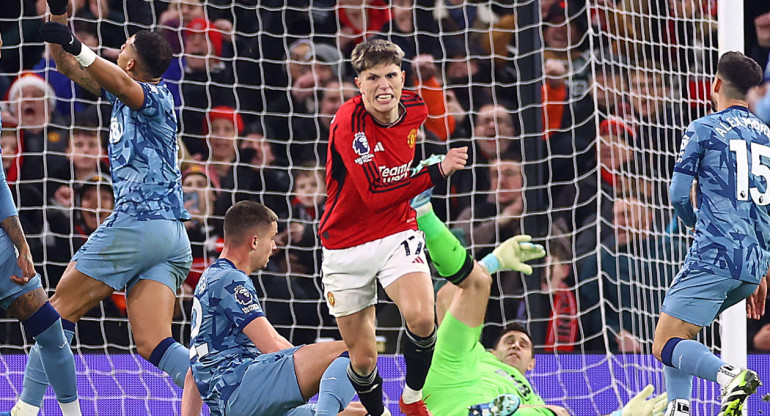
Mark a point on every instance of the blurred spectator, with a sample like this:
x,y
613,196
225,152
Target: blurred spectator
x,y
200,80
109,21
659,126
693,36
22,46
312,134
637,264
358,21
428,83
30,105
222,127
497,218
576,202
301,236
414,31
558,283
200,196
255,176
85,155
757,30
494,136
467,79
638,30
179,14
309,68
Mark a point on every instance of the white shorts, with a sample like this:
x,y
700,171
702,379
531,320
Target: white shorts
x,y
349,274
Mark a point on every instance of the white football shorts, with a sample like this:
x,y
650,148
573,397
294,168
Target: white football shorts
x,y
349,274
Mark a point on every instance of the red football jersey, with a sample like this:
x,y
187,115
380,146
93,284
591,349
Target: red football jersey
x,y
367,174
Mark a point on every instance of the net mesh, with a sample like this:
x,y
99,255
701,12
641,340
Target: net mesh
x,y
611,84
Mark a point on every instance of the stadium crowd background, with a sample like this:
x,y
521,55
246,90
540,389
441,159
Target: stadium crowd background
x,y
257,87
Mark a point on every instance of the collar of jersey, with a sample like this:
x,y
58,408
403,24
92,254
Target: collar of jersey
x,y
223,260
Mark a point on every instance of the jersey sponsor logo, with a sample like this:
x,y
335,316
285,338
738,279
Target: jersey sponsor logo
x,y
362,149
330,298
116,130
378,147
394,174
411,139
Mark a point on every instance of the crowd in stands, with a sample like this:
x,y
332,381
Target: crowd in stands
x,y
256,91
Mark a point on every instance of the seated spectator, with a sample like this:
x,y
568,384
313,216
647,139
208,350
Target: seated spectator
x,y
494,136
200,196
557,281
199,80
255,176
359,20
30,107
637,264
427,82
222,128
85,154
301,235
310,68
493,219
179,14
312,134
575,202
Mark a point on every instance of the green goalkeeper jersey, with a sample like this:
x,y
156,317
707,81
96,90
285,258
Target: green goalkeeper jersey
x,y
463,373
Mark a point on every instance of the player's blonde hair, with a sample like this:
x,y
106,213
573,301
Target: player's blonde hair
x,y
375,52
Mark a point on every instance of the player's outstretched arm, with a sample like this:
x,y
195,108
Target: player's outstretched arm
x,y
66,62
93,72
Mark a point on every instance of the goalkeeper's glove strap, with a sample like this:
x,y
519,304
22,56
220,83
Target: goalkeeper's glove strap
x,y
463,273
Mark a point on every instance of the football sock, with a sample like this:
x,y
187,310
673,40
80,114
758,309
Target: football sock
x,y
692,357
35,379
678,383
173,358
55,353
449,257
335,390
418,353
369,389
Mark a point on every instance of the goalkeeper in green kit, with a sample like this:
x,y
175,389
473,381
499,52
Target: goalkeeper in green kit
x,y
464,379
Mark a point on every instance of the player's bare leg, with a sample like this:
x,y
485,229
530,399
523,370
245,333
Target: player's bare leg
x,y
359,335
150,307
413,294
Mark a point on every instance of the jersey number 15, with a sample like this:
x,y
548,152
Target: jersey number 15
x,y
758,168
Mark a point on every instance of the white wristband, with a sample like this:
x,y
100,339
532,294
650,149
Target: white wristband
x,y
86,56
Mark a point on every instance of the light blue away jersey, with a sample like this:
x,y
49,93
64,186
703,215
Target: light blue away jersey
x,y
225,302
729,154
143,157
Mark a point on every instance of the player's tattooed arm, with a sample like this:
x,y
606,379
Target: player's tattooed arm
x,y
69,66
12,228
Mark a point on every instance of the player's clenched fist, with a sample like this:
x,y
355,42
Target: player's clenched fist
x,y
52,32
455,160
57,7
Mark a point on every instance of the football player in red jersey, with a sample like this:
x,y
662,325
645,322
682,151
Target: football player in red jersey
x,y
369,231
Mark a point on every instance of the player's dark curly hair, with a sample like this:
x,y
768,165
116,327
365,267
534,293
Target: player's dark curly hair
x,y
154,51
739,72
243,217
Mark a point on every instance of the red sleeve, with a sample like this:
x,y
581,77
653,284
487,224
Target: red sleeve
x,y
377,193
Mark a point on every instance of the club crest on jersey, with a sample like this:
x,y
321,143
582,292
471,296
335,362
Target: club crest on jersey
x,y
362,148
411,139
330,298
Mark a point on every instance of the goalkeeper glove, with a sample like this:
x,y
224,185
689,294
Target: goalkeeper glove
x,y
640,406
58,33
431,160
513,253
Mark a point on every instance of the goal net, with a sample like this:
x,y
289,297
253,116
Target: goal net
x,y
573,112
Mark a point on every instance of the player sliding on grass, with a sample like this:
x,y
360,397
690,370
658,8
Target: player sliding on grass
x,y
240,364
142,246
727,152
464,379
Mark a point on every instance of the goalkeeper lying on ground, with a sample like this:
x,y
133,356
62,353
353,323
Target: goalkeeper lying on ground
x,y
464,379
